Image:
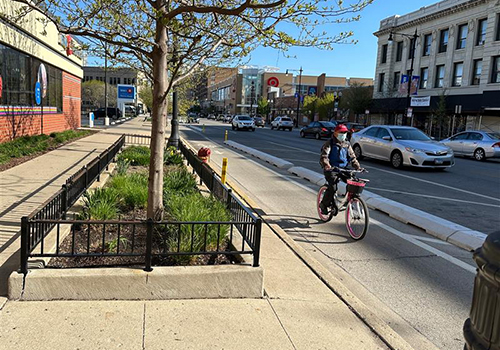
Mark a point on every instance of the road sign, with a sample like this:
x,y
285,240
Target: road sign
x,y
410,112
38,93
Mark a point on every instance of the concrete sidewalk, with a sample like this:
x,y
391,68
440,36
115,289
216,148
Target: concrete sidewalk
x,y
298,312
25,187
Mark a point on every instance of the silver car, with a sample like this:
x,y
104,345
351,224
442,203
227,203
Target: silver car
x,y
243,122
401,145
282,123
477,144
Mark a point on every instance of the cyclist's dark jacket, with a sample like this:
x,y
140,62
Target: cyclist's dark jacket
x,y
338,154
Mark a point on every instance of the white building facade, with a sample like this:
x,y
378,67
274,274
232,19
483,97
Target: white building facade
x,y
456,59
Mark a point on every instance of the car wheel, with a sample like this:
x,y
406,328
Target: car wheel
x,y
272,127
253,129
290,129
479,154
397,159
317,136
357,152
302,134
232,127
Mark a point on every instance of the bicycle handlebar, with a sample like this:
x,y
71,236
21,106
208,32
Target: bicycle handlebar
x,y
352,171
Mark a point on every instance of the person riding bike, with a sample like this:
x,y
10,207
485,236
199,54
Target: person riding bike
x,y
335,153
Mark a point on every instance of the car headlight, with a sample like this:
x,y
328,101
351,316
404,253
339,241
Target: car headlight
x,y
414,150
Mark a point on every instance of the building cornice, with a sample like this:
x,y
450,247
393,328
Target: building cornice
x,y
431,17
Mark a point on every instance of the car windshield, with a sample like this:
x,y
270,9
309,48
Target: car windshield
x,y
328,125
410,134
244,117
286,120
494,135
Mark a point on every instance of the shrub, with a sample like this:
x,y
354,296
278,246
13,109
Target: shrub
x,y
100,204
122,166
178,182
136,155
195,207
111,246
132,190
173,156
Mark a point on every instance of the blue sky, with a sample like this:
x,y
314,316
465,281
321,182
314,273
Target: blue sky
x,y
344,60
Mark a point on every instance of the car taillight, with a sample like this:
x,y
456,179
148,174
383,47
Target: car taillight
x,y
496,144
324,129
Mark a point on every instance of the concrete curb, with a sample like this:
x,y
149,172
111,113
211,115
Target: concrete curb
x,y
458,235
278,162
163,283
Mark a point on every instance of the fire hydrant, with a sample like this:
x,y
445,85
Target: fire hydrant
x,y
204,154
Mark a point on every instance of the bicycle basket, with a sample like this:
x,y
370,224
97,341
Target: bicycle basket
x,y
355,187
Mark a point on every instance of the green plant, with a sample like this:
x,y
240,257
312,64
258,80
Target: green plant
x,y
136,155
173,157
132,190
122,166
100,204
195,207
112,246
178,182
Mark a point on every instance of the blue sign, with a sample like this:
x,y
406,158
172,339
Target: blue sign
x,y
126,92
38,93
311,90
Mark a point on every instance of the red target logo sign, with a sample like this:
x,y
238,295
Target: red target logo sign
x,y
273,81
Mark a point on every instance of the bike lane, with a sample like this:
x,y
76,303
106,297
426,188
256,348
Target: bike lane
x,y
416,283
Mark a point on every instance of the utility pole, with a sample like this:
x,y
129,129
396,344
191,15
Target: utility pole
x,y
298,98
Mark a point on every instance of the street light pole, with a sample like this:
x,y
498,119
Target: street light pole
x,y
174,137
298,98
252,90
106,81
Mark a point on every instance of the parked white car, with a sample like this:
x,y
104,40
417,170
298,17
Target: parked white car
x,y
243,122
282,123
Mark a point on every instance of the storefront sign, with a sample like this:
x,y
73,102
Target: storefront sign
x,y
42,79
273,81
423,101
38,93
126,92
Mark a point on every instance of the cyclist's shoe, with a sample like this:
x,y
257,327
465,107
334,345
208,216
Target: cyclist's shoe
x,y
323,208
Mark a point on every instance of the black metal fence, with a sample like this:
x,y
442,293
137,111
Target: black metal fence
x,y
144,242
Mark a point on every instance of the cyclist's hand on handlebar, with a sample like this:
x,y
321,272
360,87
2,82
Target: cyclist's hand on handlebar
x,y
328,168
362,170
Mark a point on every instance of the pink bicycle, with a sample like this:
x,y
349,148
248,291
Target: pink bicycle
x,y
357,218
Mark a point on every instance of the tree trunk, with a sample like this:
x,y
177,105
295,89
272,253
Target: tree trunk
x,y
159,117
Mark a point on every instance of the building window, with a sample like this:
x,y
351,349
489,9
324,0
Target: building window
x,y
462,36
497,36
495,70
481,31
458,69
424,77
381,78
411,51
443,40
384,54
399,51
439,83
397,78
427,45
477,69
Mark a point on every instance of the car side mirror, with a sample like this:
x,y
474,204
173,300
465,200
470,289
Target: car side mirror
x,y
387,138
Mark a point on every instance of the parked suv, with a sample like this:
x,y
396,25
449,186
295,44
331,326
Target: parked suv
x,y
243,122
282,123
112,113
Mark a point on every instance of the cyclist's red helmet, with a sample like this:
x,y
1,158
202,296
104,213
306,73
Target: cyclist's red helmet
x,y
341,128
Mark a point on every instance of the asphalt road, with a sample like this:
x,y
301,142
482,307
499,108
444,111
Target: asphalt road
x,y
416,283
467,194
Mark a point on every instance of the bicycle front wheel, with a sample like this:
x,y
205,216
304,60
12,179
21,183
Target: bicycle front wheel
x,y
357,218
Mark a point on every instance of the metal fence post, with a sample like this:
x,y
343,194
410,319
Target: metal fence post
x,y
86,176
256,248
24,245
149,244
228,200
99,168
64,204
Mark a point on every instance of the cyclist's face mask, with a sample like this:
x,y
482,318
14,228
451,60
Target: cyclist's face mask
x,y
342,136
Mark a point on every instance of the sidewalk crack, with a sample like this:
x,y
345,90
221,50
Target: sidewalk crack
x,y
281,323
144,328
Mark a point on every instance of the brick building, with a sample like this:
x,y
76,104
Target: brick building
x,y
28,47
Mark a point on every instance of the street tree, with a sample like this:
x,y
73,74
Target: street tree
x,y
325,106
357,98
310,106
441,113
146,95
93,92
169,39
263,107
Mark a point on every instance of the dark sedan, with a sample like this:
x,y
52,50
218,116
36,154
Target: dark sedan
x,y
318,129
112,113
259,122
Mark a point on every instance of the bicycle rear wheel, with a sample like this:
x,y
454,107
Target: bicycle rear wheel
x,y
323,217
357,218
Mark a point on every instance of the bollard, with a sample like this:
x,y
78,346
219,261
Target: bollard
x,y
225,136
91,120
203,129
482,328
224,170
106,121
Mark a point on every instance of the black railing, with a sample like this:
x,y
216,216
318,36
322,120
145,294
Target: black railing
x,y
144,242
39,223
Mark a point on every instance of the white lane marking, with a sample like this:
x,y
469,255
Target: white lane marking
x,y
194,128
429,239
427,247
434,197
402,175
